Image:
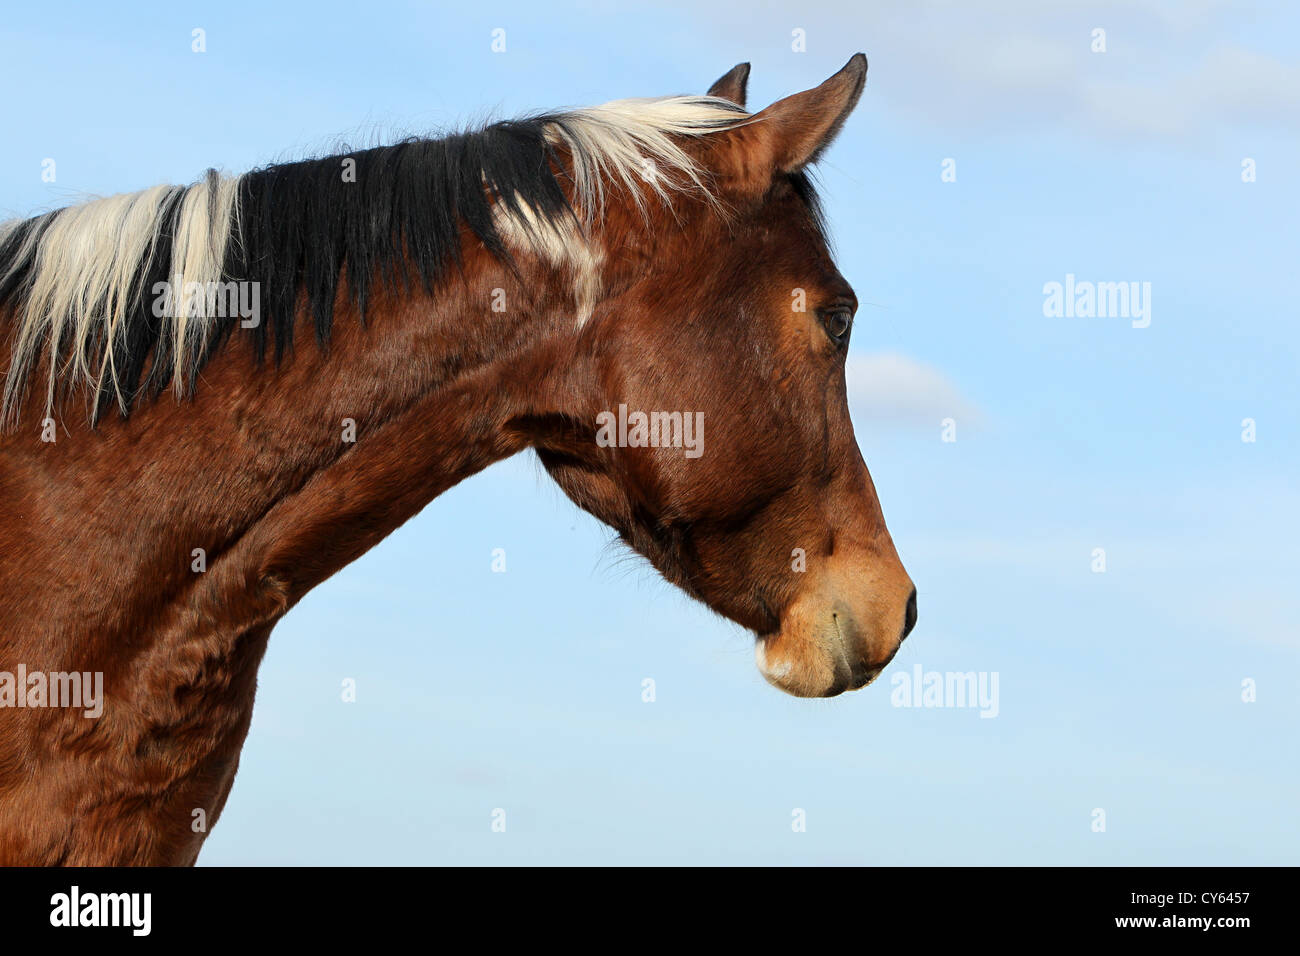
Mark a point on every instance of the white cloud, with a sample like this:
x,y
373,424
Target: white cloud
x,y
888,388
1038,72
1230,86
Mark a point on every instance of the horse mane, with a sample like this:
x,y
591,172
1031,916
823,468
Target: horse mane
x,y
79,282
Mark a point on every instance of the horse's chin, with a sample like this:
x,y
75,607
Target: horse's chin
x,y
826,681
821,667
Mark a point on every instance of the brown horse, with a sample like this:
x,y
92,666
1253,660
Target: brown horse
x,y
642,292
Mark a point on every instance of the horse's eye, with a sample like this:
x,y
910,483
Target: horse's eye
x,y
838,323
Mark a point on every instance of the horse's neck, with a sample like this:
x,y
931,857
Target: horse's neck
x,y
274,473
161,550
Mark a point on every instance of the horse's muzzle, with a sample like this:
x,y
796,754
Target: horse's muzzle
x,y
835,639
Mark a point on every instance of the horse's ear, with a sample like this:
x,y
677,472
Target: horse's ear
x,y
793,132
731,85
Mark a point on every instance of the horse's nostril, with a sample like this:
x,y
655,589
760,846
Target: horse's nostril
x,y
910,620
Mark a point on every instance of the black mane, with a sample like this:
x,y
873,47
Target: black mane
x,y
395,218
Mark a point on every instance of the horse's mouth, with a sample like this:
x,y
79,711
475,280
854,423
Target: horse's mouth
x,y
861,674
867,677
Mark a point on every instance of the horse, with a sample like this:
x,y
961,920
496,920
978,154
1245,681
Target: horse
x,y
179,467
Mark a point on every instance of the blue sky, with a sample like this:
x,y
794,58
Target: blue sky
x,y
1119,691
